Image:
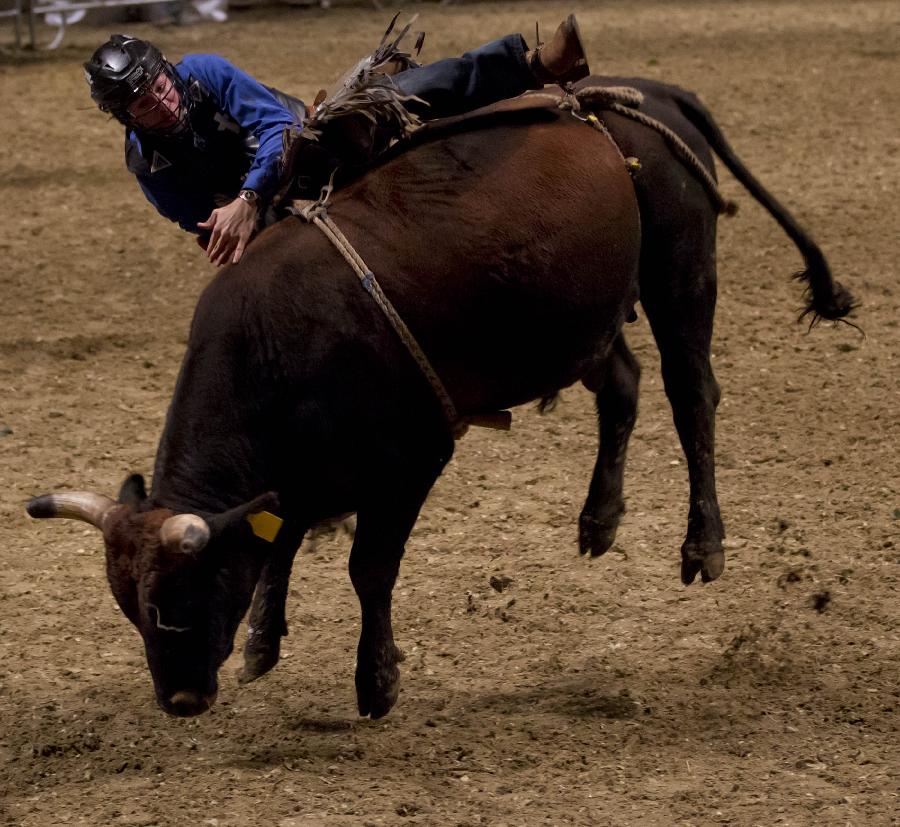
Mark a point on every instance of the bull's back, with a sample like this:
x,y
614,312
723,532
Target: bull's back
x,y
510,251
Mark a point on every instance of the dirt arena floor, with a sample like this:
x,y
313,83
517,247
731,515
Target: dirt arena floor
x,y
587,692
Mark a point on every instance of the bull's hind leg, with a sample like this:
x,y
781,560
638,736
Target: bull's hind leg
x,y
382,528
680,303
616,385
267,622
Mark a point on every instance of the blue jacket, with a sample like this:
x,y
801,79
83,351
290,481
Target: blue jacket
x,y
234,142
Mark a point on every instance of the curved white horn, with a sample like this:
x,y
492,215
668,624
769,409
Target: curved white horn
x,y
186,533
73,505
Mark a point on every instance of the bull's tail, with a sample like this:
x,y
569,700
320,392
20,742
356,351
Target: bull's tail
x,y
826,298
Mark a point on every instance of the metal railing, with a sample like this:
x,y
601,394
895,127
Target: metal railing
x,y
30,10
16,14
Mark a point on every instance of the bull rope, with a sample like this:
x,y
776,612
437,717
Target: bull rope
x,y
314,212
625,100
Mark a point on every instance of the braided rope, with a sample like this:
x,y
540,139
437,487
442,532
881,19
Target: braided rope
x,y
605,95
625,100
314,212
684,152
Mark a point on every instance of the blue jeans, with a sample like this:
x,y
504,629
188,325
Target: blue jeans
x,y
485,75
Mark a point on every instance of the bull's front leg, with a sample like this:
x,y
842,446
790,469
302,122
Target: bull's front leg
x,y
381,532
377,656
267,622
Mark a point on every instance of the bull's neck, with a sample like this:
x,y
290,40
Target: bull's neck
x,y
214,452
209,476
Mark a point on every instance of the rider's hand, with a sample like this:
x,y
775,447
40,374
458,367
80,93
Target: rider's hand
x,y
231,226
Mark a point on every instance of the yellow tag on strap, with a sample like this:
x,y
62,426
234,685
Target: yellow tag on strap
x,y
265,525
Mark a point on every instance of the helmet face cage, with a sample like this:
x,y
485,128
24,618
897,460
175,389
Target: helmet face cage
x,y
122,70
181,123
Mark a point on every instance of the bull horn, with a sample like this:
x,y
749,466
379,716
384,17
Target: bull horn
x,y
75,505
186,533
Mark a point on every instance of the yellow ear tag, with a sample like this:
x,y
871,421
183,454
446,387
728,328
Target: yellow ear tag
x,y
265,525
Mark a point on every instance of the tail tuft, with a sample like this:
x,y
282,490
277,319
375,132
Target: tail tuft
x,y
826,298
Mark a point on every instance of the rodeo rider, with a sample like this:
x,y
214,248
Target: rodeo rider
x,y
203,138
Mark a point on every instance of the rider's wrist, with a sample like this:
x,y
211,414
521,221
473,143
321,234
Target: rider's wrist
x,y
250,197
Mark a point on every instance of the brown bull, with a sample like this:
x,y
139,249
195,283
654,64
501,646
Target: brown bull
x,y
514,253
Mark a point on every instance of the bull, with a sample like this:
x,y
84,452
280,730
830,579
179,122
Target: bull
x,y
515,252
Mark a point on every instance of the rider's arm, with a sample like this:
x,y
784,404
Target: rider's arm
x,y
254,107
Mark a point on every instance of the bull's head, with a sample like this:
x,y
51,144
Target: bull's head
x,y
183,580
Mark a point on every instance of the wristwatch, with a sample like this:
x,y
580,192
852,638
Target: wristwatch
x,y
250,196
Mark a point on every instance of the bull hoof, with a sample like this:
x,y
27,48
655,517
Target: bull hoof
x,y
377,693
596,537
257,663
377,688
709,564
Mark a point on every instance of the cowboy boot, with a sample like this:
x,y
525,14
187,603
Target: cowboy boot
x,y
562,60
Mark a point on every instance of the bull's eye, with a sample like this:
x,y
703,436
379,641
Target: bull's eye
x,y
161,625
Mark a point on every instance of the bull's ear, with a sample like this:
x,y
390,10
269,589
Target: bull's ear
x,y
133,491
229,519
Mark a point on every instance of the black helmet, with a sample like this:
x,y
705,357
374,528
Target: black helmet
x,y
121,70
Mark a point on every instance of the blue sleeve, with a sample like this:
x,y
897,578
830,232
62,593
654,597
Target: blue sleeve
x,y
254,107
